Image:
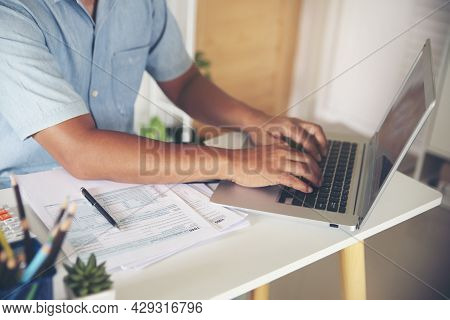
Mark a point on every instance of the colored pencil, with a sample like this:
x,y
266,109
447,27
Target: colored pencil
x,y
35,286
5,245
46,248
61,212
32,293
2,266
59,239
11,271
37,261
39,257
23,221
8,270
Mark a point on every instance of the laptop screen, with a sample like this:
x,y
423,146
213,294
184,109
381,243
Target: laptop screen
x,y
398,126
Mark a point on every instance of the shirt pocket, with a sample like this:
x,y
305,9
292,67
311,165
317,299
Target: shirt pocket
x,y
128,67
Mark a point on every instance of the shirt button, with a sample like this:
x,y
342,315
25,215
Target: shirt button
x,y
94,93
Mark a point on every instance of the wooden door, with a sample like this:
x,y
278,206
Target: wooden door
x,y
251,46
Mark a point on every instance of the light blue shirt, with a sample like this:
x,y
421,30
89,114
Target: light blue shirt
x,y
56,63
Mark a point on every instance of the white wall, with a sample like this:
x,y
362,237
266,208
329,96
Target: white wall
x,y
344,46
439,142
151,101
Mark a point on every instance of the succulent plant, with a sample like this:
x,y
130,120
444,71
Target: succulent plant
x,y
87,278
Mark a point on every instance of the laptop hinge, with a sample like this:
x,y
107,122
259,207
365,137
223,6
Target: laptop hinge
x,y
359,179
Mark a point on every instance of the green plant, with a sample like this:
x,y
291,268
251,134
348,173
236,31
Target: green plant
x,y
87,278
155,130
203,64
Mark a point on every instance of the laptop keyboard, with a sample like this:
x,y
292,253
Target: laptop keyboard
x,y
337,170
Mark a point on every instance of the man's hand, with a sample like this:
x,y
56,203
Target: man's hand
x,y
309,135
204,101
274,164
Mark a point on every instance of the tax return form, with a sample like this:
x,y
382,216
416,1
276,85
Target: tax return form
x,y
155,221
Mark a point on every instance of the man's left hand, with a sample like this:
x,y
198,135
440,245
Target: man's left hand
x,y
307,134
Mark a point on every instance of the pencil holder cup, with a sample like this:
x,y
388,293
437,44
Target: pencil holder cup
x,y
40,288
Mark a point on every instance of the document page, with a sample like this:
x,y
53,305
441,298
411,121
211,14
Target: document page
x,y
154,222
220,217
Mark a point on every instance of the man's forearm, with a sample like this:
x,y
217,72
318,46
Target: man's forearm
x,y
204,101
89,153
127,158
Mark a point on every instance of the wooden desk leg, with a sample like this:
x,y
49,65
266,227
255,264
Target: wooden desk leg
x,y
261,293
353,272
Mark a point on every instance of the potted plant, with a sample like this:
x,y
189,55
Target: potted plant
x,y
157,129
203,64
88,281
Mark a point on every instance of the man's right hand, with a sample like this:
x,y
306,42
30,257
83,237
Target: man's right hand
x,y
274,164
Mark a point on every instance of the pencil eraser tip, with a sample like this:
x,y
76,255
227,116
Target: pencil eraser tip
x,y
13,180
72,207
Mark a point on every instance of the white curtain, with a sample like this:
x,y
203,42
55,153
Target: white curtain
x,y
342,51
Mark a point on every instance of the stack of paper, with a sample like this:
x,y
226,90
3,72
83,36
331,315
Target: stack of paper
x,y
155,221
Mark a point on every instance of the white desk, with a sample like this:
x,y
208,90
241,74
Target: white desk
x,y
269,249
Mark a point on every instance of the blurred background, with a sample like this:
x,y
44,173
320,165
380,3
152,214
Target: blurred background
x,y
339,63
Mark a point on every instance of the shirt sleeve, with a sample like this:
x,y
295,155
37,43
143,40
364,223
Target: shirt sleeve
x,y
33,93
168,57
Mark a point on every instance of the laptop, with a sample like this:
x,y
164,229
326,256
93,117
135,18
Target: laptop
x,y
355,172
